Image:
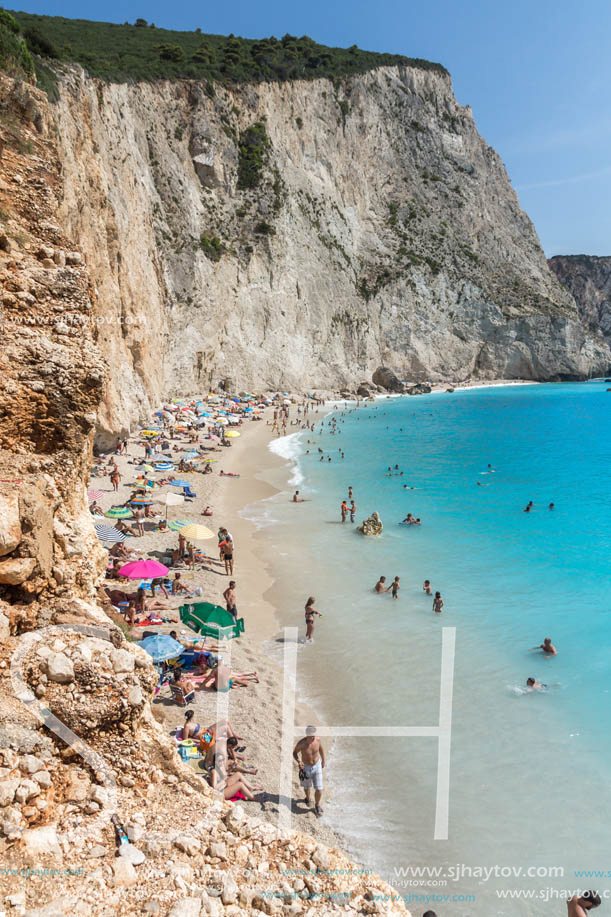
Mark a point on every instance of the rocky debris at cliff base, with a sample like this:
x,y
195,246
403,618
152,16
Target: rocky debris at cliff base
x,y
386,378
419,389
371,526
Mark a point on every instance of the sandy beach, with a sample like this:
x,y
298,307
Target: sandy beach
x,y
255,711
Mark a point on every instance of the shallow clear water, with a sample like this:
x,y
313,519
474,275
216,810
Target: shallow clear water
x,y
529,772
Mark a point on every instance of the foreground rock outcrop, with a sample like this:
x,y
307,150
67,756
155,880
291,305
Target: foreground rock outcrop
x,y
303,234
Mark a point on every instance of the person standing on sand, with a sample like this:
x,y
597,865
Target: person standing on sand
x,y
230,601
115,477
227,548
138,515
311,766
579,905
438,603
310,611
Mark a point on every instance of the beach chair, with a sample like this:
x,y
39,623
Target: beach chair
x,y
211,620
189,494
180,697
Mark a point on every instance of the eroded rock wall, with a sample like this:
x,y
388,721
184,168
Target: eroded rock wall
x,y
382,229
588,279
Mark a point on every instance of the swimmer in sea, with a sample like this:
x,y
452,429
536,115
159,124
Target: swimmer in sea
x,y
380,585
438,603
535,685
394,588
409,519
548,647
344,510
297,498
551,506
426,586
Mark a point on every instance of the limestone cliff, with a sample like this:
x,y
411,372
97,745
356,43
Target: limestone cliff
x,y
300,234
588,279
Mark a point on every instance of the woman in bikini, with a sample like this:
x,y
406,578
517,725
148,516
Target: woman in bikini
x,y
438,603
310,611
232,786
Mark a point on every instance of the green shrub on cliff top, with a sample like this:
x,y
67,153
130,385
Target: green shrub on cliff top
x,y
122,53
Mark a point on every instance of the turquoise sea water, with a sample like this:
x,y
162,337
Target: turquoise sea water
x,y
530,773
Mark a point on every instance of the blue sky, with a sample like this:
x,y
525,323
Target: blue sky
x,y
537,74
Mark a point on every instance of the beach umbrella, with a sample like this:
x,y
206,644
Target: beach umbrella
x,y
164,466
141,501
148,468
93,495
222,420
233,434
109,533
143,569
171,499
118,512
161,647
177,524
195,532
149,433
180,483
191,455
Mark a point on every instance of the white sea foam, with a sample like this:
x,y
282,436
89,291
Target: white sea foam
x,y
289,448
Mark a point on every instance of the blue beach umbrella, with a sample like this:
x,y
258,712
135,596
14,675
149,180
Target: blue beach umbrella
x,y
180,483
161,647
164,466
191,455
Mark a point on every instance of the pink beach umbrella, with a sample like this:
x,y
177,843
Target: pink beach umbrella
x,y
143,569
93,495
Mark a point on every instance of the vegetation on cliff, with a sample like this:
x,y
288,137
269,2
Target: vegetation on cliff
x,y
122,53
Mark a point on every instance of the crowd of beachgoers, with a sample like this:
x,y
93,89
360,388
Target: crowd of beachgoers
x,y
150,499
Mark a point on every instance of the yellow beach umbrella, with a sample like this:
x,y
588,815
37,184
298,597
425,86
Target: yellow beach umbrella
x,y
195,532
233,434
148,468
149,433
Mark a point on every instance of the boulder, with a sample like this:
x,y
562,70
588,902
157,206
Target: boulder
x,y
419,389
371,526
7,790
39,841
10,525
122,661
188,844
123,872
16,570
60,668
386,378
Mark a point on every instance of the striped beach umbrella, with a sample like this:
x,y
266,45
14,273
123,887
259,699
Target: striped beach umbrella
x,y
180,483
109,533
93,495
177,524
164,466
118,512
141,501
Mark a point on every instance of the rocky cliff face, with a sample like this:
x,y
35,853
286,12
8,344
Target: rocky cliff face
x,y
301,234
588,279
